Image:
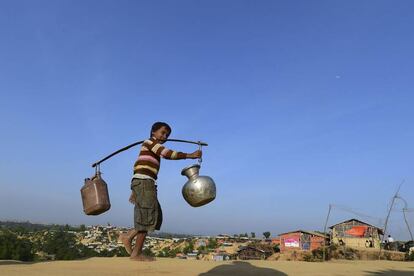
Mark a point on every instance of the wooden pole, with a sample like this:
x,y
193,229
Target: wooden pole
x,y
405,217
324,231
140,142
388,216
408,225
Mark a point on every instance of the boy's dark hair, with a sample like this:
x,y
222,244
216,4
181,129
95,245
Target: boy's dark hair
x,y
156,126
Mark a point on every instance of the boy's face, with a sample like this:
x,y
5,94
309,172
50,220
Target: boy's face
x,y
161,134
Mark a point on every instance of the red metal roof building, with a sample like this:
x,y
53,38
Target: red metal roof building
x,y
301,240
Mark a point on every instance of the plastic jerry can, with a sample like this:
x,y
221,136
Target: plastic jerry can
x,y
95,196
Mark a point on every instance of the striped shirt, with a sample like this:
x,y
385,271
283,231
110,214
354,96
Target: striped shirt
x,y
149,158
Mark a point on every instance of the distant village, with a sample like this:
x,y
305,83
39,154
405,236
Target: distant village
x,y
350,239
352,233
216,248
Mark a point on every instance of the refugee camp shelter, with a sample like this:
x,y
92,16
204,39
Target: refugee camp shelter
x,y
253,253
301,240
356,233
222,257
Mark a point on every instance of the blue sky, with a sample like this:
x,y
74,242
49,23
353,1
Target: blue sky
x,y
303,104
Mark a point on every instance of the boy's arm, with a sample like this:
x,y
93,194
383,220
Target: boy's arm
x,y
132,197
166,153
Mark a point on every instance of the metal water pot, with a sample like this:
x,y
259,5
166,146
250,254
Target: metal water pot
x,y
198,190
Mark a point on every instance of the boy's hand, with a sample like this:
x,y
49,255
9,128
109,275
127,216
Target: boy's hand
x,y
132,198
196,154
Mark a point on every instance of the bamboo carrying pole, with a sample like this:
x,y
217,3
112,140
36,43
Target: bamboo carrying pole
x,y
140,142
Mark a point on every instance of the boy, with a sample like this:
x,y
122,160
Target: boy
x,y
147,211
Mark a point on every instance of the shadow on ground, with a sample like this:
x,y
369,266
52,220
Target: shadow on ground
x,y
241,269
391,272
13,262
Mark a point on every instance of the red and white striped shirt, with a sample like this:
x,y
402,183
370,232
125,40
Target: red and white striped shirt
x,y
149,159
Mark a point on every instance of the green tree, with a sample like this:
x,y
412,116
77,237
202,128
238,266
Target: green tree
x,y
173,253
121,252
13,248
106,253
266,234
212,243
148,252
164,252
64,246
168,252
253,235
189,248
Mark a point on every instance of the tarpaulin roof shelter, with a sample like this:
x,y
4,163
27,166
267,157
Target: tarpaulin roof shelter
x,y
380,231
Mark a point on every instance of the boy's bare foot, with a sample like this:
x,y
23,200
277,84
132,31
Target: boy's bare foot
x,y
143,258
127,243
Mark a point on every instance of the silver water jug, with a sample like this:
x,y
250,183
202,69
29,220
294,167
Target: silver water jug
x,y
198,190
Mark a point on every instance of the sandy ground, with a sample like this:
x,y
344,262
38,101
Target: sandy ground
x,y
166,266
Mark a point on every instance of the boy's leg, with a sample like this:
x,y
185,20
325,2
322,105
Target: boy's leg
x,y
144,218
127,240
139,243
137,252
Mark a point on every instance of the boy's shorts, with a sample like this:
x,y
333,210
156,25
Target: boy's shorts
x,y
147,211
